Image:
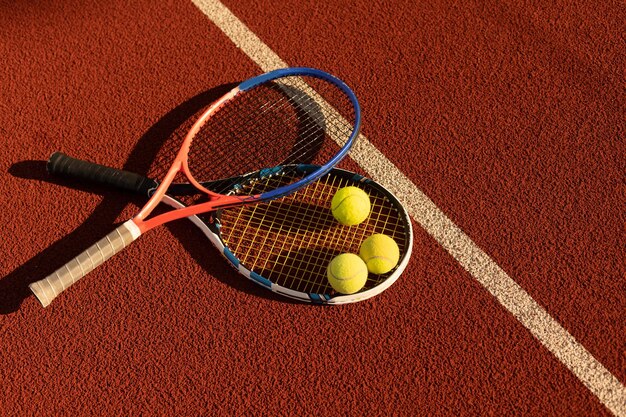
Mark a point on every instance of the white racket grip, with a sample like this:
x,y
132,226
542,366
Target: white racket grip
x,y
54,284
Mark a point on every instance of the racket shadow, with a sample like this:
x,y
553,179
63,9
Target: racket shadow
x,y
308,114
14,286
278,217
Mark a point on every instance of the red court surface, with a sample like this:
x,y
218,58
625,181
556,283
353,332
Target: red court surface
x,y
508,115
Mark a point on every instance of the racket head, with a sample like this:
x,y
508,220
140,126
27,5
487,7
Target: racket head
x,y
286,117
285,245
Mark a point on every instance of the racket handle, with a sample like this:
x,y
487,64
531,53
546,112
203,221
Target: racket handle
x,y
62,164
50,287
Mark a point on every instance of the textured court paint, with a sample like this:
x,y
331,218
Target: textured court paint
x,y
169,328
609,390
515,299
512,113
240,35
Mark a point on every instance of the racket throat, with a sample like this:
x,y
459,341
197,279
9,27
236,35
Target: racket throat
x,y
158,194
206,207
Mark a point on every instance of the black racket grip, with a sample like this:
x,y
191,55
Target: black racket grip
x,y
64,165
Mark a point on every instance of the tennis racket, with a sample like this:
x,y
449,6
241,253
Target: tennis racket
x,y
281,118
284,245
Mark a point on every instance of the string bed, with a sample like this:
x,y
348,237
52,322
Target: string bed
x,y
282,122
290,241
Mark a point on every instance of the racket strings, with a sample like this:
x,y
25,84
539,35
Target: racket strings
x,y
297,257
319,124
226,139
336,127
282,122
292,240
314,260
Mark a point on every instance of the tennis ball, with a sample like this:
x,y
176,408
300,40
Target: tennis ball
x,y
350,206
380,253
347,273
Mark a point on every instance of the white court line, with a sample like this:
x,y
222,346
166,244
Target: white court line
x,y
609,390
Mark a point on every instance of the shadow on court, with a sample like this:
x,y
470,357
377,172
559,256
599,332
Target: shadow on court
x,y
14,286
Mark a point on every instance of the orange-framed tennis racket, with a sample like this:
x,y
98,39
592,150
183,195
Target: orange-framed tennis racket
x,y
278,120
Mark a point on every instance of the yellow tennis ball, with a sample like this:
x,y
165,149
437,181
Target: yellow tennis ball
x,y
350,206
380,253
347,273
